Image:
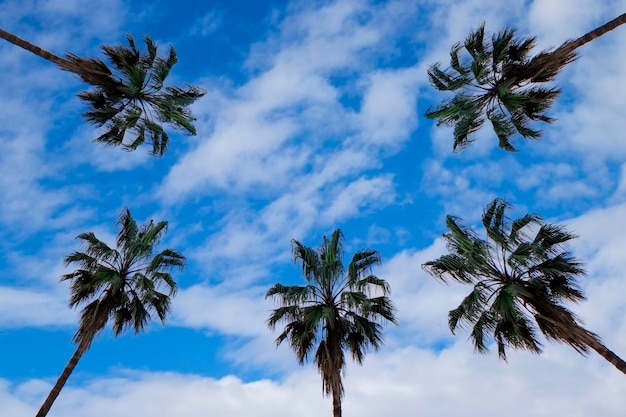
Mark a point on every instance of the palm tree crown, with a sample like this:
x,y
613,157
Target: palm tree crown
x,y
123,284
521,275
134,98
130,96
335,312
126,285
499,81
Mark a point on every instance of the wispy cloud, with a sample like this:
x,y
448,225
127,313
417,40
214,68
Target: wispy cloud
x,y
207,24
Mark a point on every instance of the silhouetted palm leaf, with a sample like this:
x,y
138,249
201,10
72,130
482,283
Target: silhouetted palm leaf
x,y
498,80
126,285
130,100
335,312
521,274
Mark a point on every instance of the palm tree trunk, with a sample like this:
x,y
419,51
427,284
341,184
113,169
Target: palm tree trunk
x,y
54,393
580,338
594,34
82,67
546,64
24,44
336,403
607,354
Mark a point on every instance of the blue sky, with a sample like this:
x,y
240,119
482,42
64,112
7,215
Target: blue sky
x,y
312,121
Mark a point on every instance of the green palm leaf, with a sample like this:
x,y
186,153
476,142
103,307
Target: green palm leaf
x,y
130,101
126,285
498,79
522,274
334,312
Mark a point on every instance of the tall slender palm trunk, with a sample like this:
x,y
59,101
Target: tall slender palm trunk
x,y
335,357
567,51
568,326
336,403
24,44
608,355
550,62
594,34
54,393
86,69
593,341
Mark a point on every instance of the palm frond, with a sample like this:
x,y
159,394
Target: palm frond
x,y
353,299
372,282
362,263
380,309
494,222
293,294
520,280
309,258
486,322
450,266
123,283
130,100
450,80
499,80
334,311
470,309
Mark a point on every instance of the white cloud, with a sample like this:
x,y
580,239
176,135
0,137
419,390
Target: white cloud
x,y
238,313
262,237
464,191
601,233
26,203
30,308
359,194
64,25
13,403
422,302
620,192
208,24
266,131
170,394
388,108
555,21
402,383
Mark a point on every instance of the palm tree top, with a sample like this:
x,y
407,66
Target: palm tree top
x,y
129,99
497,79
339,309
127,283
520,271
130,96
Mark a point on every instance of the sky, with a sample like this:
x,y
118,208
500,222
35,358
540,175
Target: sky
x,y
312,121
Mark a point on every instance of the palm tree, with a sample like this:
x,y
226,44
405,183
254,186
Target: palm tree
x,y
126,285
335,312
521,274
130,96
502,83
